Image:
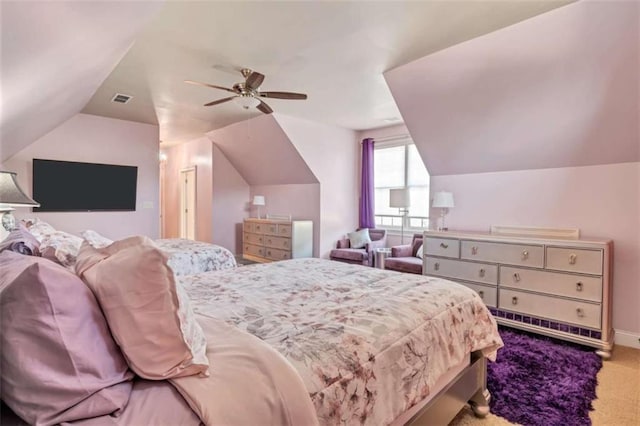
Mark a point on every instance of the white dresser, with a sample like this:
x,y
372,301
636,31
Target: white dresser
x,y
266,240
558,287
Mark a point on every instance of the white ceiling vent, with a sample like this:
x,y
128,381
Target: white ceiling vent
x,y
120,98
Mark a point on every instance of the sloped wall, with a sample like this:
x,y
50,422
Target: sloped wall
x,y
49,72
558,90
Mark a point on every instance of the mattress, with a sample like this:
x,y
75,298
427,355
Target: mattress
x,y
368,344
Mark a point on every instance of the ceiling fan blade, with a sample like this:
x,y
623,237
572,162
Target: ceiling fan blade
x,y
219,101
264,108
210,85
254,80
283,95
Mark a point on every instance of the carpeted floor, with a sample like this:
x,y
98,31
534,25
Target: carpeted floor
x,y
540,381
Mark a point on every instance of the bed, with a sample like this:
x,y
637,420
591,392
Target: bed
x,y
311,341
186,257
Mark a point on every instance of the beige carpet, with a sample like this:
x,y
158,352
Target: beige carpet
x,y
618,391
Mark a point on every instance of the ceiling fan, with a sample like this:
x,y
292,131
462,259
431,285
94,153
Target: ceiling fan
x,y
248,94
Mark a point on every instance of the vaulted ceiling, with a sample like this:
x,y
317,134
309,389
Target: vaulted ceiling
x,y
62,57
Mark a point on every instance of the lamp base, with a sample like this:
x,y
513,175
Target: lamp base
x,y
8,221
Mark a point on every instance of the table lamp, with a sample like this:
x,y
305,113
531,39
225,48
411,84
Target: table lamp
x,y
400,199
444,201
258,200
11,195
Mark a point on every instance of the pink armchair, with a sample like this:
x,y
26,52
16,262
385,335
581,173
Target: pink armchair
x,y
403,258
361,256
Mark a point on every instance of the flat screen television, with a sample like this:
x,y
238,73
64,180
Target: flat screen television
x,y
67,186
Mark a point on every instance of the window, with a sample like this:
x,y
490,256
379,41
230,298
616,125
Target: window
x,y
400,166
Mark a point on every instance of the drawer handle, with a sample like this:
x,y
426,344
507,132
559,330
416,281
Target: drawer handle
x,y
580,312
516,277
525,255
269,253
474,250
444,246
578,286
514,300
481,294
572,259
269,241
482,271
436,266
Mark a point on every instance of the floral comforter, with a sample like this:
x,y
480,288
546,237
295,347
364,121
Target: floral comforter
x,y
187,257
367,343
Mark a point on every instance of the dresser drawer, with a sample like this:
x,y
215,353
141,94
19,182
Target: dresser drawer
x,y
489,295
284,229
575,260
253,239
253,250
442,247
275,254
277,242
259,228
565,310
512,254
580,287
457,269
247,227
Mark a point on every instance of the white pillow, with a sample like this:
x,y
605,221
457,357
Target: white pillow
x,y
419,252
95,239
359,239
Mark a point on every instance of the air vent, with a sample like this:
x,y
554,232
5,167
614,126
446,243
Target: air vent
x,y
120,98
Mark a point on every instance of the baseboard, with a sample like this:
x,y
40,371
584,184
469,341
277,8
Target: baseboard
x,y
627,338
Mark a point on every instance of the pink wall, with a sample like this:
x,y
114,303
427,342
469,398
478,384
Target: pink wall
x,y
551,91
89,138
229,203
196,153
602,201
299,201
332,154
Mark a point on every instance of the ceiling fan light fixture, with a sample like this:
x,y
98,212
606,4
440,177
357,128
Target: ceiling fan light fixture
x,y
246,101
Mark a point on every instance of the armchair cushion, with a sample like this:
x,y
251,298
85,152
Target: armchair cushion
x,y
409,264
350,255
419,253
405,250
359,239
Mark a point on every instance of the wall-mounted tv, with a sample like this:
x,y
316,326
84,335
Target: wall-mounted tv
x,y
65,186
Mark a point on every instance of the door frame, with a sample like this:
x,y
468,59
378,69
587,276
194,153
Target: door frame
x,y
181,216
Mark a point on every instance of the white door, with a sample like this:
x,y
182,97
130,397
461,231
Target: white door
x,y
188,203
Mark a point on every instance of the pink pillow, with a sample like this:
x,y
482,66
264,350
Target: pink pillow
x,y
148,314
59,362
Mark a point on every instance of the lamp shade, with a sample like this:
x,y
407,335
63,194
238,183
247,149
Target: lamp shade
x,y
11,194
258,200
443,199
399,198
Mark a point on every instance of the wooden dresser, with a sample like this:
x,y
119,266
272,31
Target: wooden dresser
x,y
558,287
266,240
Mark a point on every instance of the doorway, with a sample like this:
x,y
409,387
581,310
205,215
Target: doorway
x,y
188,203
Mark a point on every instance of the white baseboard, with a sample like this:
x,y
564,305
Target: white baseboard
x,y
627,338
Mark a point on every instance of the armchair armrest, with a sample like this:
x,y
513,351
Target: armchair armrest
x,y
343,243
402,251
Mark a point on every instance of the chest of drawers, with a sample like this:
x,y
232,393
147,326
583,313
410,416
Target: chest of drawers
x,y
552,286
266,240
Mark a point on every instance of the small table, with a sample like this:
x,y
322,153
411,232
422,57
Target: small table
x,y
380,255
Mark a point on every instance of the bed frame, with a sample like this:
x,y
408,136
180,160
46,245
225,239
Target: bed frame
x,y
469,386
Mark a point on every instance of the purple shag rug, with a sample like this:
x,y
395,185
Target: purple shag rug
x,y
538,380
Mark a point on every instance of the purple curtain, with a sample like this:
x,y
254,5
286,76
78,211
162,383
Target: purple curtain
x,y
367,219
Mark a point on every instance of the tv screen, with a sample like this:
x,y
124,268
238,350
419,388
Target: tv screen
x,y
65,186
